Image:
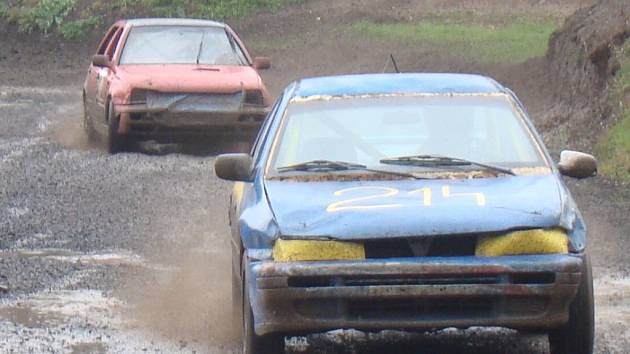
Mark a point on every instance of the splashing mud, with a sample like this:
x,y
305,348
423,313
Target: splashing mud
x,y
67,127
193,303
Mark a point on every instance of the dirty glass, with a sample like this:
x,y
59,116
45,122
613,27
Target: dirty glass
x,y
479,128
180,45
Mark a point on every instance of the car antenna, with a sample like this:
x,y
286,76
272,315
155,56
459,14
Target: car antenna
x,y
393,60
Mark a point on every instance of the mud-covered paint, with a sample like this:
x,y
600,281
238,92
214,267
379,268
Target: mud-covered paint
x,y
270,208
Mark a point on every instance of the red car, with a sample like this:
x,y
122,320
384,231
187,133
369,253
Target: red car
x,y
163,79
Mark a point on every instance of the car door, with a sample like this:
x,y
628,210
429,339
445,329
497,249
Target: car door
x,y
90,86
103,78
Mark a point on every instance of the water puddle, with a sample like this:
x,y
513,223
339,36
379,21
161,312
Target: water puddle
x,y
88,348
56,308
64,255
83,321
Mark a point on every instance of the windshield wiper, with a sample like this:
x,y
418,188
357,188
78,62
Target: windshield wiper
x,y
203,36
327,165
438,160
321,165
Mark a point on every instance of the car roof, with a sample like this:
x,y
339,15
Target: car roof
x,y
173,22
383,84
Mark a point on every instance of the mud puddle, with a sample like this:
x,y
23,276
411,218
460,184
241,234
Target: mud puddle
x,y
113,258
78,321
107,258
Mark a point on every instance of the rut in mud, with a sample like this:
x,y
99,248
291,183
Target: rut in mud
x,y
129,253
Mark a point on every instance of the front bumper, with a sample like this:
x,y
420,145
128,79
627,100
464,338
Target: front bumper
x,y
141,120
521,292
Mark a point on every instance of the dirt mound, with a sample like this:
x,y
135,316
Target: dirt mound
x,y
580,62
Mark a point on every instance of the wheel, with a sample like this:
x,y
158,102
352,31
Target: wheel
x,y
576,337
255,344
88,128
115,142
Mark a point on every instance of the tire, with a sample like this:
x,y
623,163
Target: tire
x,y
88,128
255,344
577,336
115,142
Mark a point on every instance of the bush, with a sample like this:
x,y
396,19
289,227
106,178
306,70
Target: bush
x,y
75,29
613,148
48,15
45,15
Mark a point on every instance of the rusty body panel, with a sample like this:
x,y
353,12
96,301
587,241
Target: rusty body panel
x,y
179,99
518,292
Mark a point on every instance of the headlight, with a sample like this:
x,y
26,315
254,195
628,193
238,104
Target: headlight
x,y
138,96
303,250
537,241
254,97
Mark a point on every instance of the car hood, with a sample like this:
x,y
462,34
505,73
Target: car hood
x,y
190,78
376,209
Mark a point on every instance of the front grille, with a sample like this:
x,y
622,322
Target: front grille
x,y
438,246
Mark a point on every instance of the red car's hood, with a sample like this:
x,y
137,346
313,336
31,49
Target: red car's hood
x,y
189,78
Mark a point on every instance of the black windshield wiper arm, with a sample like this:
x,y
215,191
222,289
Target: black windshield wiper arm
x,y
321,165
203,36
327,165
438,160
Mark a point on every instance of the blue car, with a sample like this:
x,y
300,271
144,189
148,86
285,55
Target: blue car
x,y
407,202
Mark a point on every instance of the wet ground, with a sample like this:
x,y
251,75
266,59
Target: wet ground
x,y
130,254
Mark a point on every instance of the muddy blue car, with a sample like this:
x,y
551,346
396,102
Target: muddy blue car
x,y
407,202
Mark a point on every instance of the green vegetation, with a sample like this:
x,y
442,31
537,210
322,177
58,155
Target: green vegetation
x,y
77,28
509,42
44,15
613,148
67,18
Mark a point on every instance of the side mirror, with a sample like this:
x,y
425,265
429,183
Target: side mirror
x,y
101,60
262,63
234,167
577,164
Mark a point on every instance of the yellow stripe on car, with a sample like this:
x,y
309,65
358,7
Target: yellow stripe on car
x,y
537,241
305,250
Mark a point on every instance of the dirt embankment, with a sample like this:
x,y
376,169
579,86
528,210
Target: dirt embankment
x,y
579,65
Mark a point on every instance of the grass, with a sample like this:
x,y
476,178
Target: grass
x,y
75,18
613,147
510,42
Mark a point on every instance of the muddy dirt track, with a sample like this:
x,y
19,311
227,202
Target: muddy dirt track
x,y
130,254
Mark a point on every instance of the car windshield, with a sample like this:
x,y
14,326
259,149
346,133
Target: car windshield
x,y
388,130
181,45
